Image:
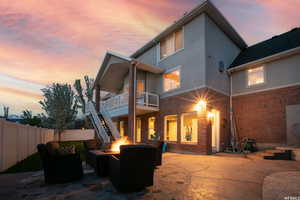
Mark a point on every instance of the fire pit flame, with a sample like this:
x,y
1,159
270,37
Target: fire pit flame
x,y
115,147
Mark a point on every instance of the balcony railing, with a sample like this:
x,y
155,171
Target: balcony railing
x,y
145,99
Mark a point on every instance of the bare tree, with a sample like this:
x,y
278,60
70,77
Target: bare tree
x,y
86,94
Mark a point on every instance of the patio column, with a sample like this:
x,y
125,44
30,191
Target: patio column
x,y
97,98
132,102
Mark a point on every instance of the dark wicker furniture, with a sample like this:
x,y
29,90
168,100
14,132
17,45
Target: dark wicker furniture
x,y
158,145
99,160
60,168
133,169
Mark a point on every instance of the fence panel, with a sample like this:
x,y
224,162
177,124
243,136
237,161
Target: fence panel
x,y
18,141
78,135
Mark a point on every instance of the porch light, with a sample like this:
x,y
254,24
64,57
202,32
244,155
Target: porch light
x,y
200,106
210,115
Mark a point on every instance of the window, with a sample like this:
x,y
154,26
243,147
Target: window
x,y
171,128
122,132
189,128
256,76
138,130
172,80
151,129
139,85
171,44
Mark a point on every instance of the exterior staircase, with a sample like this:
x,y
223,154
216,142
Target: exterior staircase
x,y
106,131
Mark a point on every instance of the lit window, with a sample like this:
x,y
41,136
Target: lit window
x,y
122,131
138,130
151,129
256,76
189,128
171,44
172,80
171,128
140,87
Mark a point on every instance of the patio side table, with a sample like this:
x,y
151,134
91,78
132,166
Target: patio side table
x,y
101,162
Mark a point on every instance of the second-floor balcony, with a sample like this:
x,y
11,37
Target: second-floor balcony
x,y
118,105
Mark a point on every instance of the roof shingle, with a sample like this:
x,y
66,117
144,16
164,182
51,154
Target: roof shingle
x,y
275,45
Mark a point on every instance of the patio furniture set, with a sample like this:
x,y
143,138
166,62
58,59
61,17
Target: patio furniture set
x,y
129,170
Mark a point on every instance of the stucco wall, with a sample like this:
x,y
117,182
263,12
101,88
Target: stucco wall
x,y
219,48
149,57
280,73
191,59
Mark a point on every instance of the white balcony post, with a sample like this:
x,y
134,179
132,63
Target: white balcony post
x,y
147,98
132,102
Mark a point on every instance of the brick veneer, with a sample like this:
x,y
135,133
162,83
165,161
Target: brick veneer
x,y
184,103
262,116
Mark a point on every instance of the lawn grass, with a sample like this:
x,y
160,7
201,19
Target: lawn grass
x,y
33,162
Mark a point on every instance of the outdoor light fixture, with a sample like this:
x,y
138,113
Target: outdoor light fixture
x,y
210,115
201,106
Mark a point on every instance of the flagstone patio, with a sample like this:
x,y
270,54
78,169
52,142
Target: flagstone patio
x,y
182,176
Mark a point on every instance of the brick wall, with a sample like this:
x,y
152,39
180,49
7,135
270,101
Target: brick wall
x,y
262,116
184,103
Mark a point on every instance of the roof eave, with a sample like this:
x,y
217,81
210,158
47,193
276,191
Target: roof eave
x,y
184,20
265,59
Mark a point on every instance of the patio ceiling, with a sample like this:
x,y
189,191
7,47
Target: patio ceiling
x,y
114,69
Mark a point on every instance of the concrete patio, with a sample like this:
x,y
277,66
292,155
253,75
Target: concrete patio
x,y
182,176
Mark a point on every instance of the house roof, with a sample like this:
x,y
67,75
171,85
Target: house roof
x,y
206,7
115,67
274,46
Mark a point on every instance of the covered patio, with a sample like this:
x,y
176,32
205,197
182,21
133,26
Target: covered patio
x,y
114,71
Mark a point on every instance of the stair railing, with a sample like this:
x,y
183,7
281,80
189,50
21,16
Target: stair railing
x,y
114,131
101,133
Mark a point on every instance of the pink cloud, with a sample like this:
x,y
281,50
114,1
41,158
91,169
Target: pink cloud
x,y
62,40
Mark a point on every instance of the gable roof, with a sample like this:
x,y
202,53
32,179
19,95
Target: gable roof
x,y
276,45
206,7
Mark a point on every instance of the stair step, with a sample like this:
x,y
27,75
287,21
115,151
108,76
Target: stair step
x,y
274,151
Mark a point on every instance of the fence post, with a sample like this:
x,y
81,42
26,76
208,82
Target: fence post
x,y
1,145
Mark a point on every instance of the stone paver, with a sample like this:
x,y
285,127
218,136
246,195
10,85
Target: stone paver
x,y
182,177
276,187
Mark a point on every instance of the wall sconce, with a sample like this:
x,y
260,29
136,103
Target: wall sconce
x,y
210,115
200,106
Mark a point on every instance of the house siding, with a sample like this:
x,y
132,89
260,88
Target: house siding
x,y
191,60
279,73
219,48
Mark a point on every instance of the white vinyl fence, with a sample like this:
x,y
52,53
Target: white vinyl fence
x,y
77,135
18,141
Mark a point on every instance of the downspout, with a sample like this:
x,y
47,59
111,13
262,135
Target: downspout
x,y
232,139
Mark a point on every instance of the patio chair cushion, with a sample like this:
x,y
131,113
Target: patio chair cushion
x,y
53,148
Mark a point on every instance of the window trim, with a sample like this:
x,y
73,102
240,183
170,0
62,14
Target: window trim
x,y
148,129
165,128
258,84
182,128
170,71
183,44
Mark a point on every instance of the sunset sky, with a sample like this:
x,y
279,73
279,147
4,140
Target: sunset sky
x,y
42,42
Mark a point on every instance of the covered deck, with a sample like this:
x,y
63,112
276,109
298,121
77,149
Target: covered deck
x,y
110,78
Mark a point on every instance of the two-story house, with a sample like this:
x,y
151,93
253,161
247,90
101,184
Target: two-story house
x,y
189,78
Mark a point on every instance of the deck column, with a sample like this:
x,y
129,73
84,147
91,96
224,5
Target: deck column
x,y
132,102
97,98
